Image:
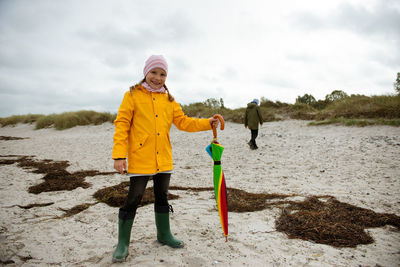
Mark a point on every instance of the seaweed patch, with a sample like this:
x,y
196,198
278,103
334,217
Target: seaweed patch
x,y
114,196
56,178
9,138
331,222
75,210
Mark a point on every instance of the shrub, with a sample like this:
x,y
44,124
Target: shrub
x,y
194,109
234,115
268,114
301,111
357,106
305,99
397,84
320,104
336,95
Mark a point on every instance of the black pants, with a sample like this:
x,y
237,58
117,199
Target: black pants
x,y
254,134
136,190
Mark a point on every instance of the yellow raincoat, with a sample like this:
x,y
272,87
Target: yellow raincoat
x,y
142,130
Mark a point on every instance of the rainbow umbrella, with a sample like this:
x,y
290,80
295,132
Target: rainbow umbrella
x,y
215,150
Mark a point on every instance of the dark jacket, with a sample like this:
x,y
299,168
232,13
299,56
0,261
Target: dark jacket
x,y
253,116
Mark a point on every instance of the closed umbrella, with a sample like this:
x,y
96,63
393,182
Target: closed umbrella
x,y
215,150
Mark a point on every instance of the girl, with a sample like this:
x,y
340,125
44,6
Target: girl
x,y
142,134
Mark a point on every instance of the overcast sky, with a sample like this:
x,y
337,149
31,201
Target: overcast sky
x,y
58,56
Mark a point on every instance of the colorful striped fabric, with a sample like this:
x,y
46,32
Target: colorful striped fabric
x,y
215,151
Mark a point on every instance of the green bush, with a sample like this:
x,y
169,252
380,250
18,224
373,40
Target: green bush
x,y
234,115
268,114
194,109
320,104
397,84
336,95
305,99
356,106
300,111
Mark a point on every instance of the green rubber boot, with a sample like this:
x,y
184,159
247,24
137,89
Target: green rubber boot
x,y
124,235
164,235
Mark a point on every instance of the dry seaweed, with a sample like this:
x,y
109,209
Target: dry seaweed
x,y
7,161
331,222
9,138
114,196
26,258
7,262
35,205
239,200
56,178
242,201
75,210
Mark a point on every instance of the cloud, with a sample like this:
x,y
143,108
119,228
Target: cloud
x,y
383,19
57,53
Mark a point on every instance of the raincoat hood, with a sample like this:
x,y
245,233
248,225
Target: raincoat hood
x,y
252,105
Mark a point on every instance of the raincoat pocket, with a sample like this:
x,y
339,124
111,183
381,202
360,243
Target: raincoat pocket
x,y
165,150
139,142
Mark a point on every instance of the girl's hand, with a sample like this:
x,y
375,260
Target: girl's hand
x,y
214,122
120,165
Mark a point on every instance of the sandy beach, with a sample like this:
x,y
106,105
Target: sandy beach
x,y
358,166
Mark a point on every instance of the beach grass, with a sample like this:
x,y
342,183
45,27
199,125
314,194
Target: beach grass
x,y
384,106
354,110
15,119
60,121
356,122
70,119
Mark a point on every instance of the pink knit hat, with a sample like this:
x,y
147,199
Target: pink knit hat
x,y
155,61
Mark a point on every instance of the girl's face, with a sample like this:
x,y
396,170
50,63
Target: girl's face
x,y
156,78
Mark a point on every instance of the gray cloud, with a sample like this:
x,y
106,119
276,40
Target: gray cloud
x,y
383,20
378,25
57,55
116,46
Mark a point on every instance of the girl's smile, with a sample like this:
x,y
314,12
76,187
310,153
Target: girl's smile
x,y
156,78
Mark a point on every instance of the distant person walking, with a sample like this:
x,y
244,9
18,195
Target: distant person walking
x,y
251,119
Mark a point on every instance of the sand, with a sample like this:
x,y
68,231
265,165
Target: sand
x,y
359,166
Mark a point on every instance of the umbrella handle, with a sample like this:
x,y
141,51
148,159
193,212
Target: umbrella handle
x,y
221,120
